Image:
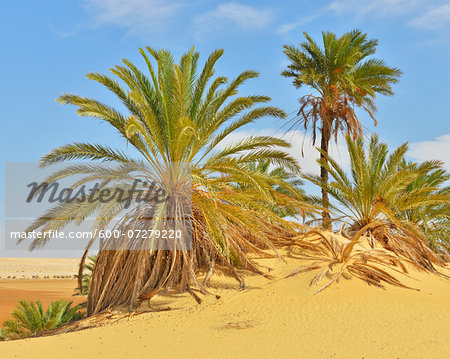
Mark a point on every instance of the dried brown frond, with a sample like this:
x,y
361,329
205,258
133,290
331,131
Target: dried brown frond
x,y
333,259
408,244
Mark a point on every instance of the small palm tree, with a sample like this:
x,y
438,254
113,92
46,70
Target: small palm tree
x,y
343,77
433,218
380,190
175,121
30,318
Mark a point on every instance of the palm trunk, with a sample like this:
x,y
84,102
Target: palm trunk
x,y
324,141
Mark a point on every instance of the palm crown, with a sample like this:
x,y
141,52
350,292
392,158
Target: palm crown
x,y
342,77
385,198
177,120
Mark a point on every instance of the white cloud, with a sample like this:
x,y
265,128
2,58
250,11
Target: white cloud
x,y
427,14
434,19
374,7
232,14
63,33
132,14
358,8
141,15
302,149
285,28
438,149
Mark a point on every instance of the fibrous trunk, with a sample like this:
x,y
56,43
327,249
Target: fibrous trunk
x,y
324,141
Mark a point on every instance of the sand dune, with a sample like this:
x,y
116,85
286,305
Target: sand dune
x,y
270,319
28,268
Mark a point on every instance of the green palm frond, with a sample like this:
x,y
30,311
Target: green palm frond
x,y
29,318
177,119
287,184
406,198
86,276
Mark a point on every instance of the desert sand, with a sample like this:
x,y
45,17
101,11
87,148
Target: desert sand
x,y
38,268
280,318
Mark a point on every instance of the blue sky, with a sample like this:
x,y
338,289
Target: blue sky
x,y
47,47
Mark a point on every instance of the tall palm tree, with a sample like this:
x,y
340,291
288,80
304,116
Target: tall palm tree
x,y
383,198
343,77
176,121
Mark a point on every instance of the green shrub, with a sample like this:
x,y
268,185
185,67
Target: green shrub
x,y
29,318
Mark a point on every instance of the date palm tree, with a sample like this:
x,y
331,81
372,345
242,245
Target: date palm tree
x,y
342,77
385,198
176,120
433,218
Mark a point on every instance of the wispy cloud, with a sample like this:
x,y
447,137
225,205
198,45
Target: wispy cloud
x,y
434,19
285,28
132,14
359,9
232,14
374,7
426,14
63,33
438,149
141,15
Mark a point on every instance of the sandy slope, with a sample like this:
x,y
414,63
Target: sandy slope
x,y
271,319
